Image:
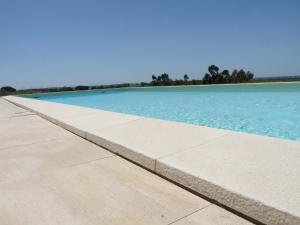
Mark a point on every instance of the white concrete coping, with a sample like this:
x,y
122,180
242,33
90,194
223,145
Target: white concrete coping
x,y
254,175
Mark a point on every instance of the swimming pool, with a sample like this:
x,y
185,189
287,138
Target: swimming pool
x,y
265,109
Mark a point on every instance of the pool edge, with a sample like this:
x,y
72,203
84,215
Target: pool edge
x,y
252,208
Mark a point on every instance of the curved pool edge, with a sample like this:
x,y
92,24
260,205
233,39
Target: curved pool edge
x,y
224,166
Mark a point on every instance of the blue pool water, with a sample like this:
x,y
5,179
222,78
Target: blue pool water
x,y
265,109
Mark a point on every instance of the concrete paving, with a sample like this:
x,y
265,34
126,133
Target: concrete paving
x,y
28,160
263,170
10,110
26,130
51,176
145,140
254,175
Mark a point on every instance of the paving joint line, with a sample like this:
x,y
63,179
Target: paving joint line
x,y
30,144
21,115
85,162
16,116
33,176
189,214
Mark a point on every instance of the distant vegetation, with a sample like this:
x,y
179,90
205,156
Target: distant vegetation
x,y
7,90
114,86
213,76
81,88
10,90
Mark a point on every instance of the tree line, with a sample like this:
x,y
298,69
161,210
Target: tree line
x,y
8,90
212,77
215,77
165,80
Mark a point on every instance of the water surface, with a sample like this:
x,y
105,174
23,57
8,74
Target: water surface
x,y
265,109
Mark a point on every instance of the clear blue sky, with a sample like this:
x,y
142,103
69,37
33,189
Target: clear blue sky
x,y
55,43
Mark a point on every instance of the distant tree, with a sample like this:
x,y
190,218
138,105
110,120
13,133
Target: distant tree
x,y
81,87
154,80
216,77
237,76
143,84
213,69
186,78
158,79
225,73
178,82
249,75
207,79
6,90
196,82
234,76
165,79
65,89
226,76
241,76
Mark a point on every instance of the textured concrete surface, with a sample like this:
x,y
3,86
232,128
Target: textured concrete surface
x,y
110,191
9,110
255,175
64,179
27,129
28,160
95,121
145,140
261,170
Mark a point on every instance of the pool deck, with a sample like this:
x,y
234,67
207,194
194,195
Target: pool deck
x,y
51,176
256,176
